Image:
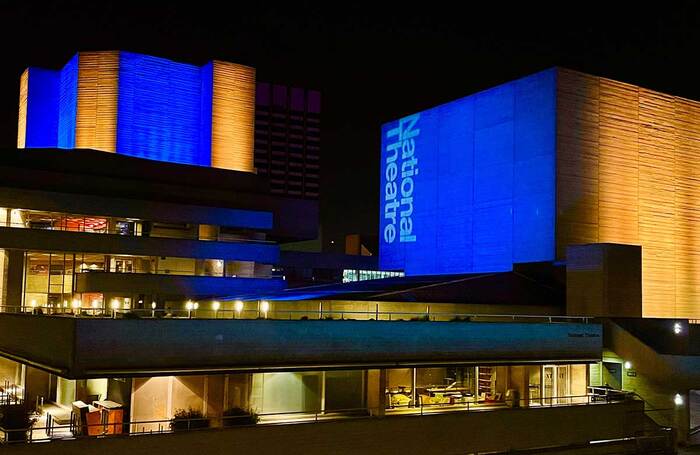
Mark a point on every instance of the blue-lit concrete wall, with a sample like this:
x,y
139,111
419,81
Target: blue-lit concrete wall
x,y
164,108
42,108
52,99
469,186
67,104
160,107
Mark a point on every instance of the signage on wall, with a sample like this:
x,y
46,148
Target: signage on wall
x,y
401,168
469,186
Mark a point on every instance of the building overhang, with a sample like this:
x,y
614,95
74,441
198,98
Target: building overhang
x,y
91,347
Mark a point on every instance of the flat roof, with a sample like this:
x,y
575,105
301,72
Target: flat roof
x,y
518,287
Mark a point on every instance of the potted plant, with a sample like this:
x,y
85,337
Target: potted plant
x,y
190,419
15,420
239,416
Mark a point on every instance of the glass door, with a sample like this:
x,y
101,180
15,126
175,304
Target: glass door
x,y
562,385
548,379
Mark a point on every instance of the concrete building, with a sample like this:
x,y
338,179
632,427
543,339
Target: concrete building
x,y
140,295
288,139
519,172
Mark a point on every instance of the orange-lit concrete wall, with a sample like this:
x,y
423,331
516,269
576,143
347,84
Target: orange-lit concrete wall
x,y
22,120
628,172
233,116
98,83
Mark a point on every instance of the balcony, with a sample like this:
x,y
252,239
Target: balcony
x,y
90,347
195,286
49,240
355,431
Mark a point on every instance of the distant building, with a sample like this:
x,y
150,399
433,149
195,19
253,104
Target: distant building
x,y
288,139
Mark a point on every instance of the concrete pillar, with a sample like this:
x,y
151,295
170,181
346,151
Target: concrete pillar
x,y
376,392
414,395
14,278
382,392
3,278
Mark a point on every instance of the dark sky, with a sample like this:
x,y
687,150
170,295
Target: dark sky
x,y
373,61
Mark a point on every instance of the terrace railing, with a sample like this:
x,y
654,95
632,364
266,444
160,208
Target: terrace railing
x,y
53,431
289,314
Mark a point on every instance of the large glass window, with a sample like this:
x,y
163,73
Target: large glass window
x,y
48,279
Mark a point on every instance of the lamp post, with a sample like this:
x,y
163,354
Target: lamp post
x,y
215,306
153,309
189,306
238,306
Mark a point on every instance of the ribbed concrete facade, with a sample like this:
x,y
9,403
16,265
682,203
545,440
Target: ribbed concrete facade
x,y
628,171
142,106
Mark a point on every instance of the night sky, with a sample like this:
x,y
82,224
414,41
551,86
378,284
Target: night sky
x,y
373,61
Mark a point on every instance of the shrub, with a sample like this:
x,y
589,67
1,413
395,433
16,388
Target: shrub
x,y
15,417
425,317
239,416
130,315
189,419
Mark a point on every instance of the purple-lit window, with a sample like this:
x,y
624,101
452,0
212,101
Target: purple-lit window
x,y
262,94
314,101
279,95
297,99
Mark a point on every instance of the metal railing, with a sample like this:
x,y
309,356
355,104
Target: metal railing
x,y
53,431
273,313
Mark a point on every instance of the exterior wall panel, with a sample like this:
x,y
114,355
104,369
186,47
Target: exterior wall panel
x,y
159,110
96,122
468,186
233,116
628,172
22,116
142,106
68,104
40,108
577,160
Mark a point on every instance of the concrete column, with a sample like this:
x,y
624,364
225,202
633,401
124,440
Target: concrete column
x,y
413,387
376,392
382,392
3,278
15,278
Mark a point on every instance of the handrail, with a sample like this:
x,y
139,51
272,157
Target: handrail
x,y
289,314
131,428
